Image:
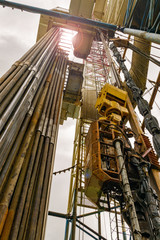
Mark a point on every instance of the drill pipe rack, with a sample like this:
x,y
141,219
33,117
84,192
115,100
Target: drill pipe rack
x,y
32,92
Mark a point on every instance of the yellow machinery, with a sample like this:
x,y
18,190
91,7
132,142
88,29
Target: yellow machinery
x,y
111,103
117,170
101,163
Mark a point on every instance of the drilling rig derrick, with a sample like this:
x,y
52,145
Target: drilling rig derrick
x,y
114,168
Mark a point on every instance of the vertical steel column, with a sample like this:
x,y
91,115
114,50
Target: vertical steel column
x,y
72,182
73,231
123,227
66,229
117,229
99,224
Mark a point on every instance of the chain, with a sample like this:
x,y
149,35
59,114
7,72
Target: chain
x,y
67,169
64,170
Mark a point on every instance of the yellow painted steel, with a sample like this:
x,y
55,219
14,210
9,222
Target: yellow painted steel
x,y
74,161
95,175
111,103
139,66
115,106
82,41
99,9
81,8
112,11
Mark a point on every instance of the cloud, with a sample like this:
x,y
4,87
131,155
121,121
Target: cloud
x,y
11,49
17,35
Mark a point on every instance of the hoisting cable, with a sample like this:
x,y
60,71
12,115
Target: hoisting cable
x,y
126,44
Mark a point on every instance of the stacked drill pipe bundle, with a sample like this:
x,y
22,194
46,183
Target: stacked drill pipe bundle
x,y
31,101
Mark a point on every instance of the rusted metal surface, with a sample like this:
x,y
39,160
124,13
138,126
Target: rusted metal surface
x,y
98,149
151,154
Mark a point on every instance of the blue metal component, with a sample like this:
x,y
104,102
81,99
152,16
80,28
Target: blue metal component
x,y
150,13
130,238
86,232
145,22
156,24
154,27
70,18
66,228
144,15
124,235
128,14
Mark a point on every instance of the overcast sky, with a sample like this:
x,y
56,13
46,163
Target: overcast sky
x,y
18,31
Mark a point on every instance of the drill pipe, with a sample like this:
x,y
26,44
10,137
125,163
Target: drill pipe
x,y
33,221
16,78
17,143
25,60
37,154
15,228
49,164
10,132
25,84
23,65
12,181
20,181
28,134
151,122
127,193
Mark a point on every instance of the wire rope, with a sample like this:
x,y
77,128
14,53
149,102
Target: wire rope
x,y
138,69
148,90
